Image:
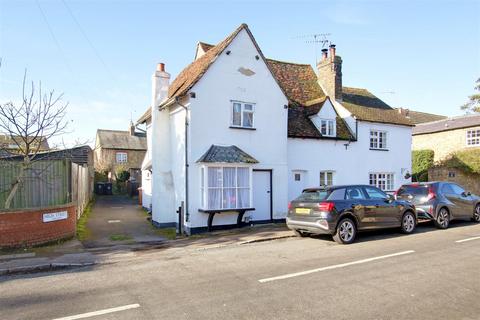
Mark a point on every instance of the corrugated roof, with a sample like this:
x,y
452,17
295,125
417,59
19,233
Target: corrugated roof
x,y
116,139
471,120
228,154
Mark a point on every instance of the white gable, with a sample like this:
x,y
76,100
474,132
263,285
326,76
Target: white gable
x,y
327,112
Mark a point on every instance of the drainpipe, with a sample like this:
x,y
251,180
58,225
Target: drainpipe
x,y
187,215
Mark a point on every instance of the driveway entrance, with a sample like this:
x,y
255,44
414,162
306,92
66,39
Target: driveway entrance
x,y
118,220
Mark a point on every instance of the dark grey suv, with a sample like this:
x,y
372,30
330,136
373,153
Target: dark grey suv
x,y
343,210
441,202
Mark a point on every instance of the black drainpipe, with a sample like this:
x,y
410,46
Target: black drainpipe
x,y
187,215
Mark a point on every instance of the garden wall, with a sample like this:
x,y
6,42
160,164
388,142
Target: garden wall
x,y
28,227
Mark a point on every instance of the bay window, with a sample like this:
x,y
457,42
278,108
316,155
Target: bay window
x,y
225,187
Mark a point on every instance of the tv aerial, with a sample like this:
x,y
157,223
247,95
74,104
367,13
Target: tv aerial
x,y
317,39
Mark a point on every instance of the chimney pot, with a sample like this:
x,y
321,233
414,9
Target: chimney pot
x,y
324,54
332,51
161,67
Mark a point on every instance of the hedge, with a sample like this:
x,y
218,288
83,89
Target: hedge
x,y
422,160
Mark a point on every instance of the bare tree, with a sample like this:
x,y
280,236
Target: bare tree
x,y
29,124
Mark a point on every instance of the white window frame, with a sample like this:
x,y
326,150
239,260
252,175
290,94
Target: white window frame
x,y
375,138
204,188
325,176
123,157
327,132
472,138
381,180
242,111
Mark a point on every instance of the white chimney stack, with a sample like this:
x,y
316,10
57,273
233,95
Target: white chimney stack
x,y
160,84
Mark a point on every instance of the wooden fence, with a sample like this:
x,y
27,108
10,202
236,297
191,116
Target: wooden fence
x,y
46,183
82,186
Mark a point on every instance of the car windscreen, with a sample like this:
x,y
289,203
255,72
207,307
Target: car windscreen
x,y
414,190
313,195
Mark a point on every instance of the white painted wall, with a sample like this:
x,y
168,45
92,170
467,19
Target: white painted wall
x,y
351,165
147,174
211,118
177,152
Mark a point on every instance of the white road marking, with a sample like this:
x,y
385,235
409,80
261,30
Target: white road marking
x,y
468,239
99,312
337,266
114,221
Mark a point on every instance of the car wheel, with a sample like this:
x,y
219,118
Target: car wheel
x,y
346,231
443,219
299,233
476,214
408,222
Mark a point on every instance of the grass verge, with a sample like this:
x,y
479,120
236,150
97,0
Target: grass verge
x,y
82,232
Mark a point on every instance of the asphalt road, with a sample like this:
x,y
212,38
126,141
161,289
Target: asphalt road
x,y
386,275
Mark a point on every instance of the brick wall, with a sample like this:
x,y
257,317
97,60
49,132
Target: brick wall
x,y
443,143
470,182
26,227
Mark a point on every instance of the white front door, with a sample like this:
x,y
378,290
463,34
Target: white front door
x,y
261,196
298,181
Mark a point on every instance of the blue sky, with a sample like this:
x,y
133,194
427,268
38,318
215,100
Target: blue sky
x,y
424,55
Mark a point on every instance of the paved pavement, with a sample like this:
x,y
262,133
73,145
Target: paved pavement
x,y
432,274
118,220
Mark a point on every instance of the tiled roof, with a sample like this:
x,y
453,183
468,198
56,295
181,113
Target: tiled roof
x,y
300,125
205,46
471,120
299,81
195,70
116,139
228,154
367,107
421,117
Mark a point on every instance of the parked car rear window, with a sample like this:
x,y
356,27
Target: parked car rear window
x,y
418,190
337,194
313,195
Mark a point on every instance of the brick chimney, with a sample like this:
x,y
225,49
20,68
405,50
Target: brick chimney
x,y
131,128
330,73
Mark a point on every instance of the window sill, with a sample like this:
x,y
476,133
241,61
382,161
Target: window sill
x,y
377,149
242,128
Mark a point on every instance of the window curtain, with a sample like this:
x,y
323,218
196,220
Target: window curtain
x,y
243,183
214,188
229,190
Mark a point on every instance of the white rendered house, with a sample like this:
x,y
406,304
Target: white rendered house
x,y
238,133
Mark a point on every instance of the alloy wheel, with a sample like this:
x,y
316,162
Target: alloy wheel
x,y
476,215
408,223
347,231
443,219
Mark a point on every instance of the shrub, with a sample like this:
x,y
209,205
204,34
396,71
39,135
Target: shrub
x,y
465,160
422,160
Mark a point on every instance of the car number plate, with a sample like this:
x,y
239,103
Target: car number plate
x,y
302,211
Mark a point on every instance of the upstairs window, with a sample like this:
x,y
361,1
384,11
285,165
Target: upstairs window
x,y
121,157
378,140
383,181
327,127
242,114
473,138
